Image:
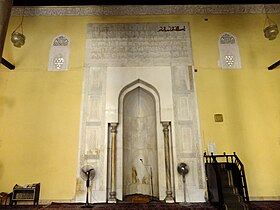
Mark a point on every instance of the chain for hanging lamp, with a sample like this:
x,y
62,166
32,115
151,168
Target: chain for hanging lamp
x,y
17,38
270,28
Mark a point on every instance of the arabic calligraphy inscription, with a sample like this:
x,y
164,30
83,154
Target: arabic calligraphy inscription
x,y
138,43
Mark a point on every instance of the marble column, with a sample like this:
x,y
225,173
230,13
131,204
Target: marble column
x,y
169,198
112,194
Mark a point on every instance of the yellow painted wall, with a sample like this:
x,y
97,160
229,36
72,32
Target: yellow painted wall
x,y
40,110
248,98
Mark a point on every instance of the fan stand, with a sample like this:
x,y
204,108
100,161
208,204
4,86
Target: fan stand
x,y
183,169
87,205
185,203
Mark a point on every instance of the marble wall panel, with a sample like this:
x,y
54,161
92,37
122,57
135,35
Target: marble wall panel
x,y
186,139
155,57
95,81
184,111
92,146
186,127
181,80
119,78
94,112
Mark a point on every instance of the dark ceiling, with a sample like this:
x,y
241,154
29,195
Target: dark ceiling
x,y
137,2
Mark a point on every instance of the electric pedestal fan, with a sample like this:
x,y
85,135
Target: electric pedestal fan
x,y
183,169
87,173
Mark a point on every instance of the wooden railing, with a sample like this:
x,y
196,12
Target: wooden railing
x,y
225,158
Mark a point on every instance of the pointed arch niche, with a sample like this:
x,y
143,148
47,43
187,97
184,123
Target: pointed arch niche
x,y
126,97
139,115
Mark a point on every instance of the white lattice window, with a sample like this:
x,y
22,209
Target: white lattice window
x,y
59,53
229,52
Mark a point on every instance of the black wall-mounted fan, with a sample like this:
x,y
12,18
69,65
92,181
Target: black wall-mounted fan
x,y
87,173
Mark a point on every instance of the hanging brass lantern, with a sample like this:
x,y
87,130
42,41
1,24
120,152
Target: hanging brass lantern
x,y
18,39
270,29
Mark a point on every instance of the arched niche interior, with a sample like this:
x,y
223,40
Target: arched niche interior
x,y
140,131
140,161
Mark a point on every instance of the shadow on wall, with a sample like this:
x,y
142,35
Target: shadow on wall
x,y
1,165
5,102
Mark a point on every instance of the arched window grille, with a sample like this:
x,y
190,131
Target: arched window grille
x,y
229,52
59,53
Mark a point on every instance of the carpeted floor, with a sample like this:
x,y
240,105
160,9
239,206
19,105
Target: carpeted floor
x,y
122,206
256,205
126,206
265,205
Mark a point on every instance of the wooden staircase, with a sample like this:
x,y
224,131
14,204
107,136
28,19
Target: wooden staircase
x,y
226,182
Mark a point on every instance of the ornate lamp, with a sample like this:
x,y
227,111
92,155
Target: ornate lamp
x,y
270,29
17,38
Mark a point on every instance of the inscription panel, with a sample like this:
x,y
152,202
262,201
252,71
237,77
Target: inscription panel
x,y
92,147
142,44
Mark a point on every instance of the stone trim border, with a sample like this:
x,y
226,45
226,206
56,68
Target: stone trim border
x,y
127,10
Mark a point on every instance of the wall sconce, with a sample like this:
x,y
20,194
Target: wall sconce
x,y
270,28
17,38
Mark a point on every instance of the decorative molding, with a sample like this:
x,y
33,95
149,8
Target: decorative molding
x,y
146,10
